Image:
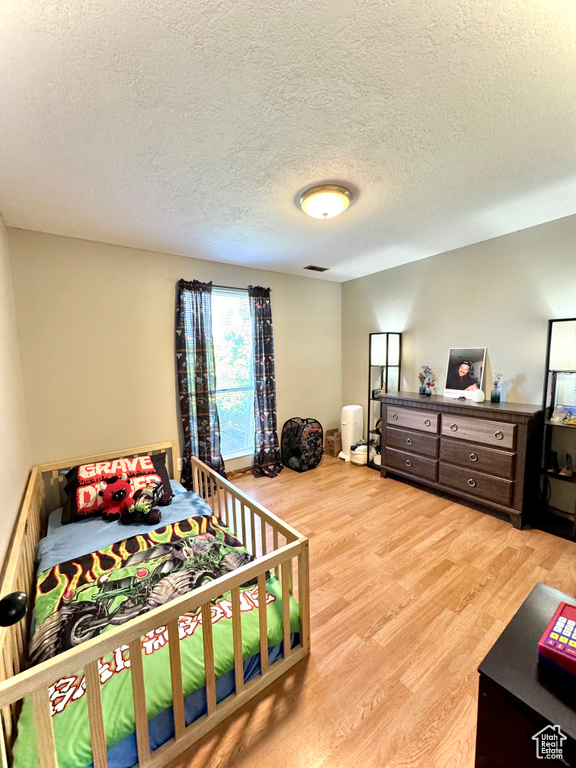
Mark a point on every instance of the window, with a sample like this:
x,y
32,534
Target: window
x,y
232,334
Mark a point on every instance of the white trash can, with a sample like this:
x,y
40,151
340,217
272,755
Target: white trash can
x,y
351,428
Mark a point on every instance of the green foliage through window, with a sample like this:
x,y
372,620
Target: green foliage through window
x,y
232,333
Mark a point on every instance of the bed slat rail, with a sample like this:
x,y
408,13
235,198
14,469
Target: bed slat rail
x,y
95,717
176,676
263,534
139,695
209,485
44,729
263,621
209,670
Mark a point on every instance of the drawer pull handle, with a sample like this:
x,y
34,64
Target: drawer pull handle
x,y
473,457
409,441
427,422
408,463
498,435
472,483
395,416
454,427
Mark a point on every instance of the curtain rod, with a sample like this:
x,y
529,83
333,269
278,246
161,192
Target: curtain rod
x,y
229,288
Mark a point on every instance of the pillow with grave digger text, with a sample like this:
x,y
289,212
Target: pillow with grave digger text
x,y
86,481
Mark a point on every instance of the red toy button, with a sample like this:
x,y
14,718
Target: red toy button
x,y
551,643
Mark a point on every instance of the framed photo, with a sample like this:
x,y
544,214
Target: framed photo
x,y
465,371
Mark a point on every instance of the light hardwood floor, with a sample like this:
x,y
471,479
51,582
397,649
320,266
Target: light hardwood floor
x,y
409,592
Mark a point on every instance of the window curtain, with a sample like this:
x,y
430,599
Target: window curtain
x,y
267,460
197,378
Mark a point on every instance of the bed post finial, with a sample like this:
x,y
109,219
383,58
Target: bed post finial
x,y
13,608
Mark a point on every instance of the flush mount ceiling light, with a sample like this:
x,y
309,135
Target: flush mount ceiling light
x,y
325,201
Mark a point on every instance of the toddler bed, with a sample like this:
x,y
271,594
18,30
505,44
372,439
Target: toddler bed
x,y
131,666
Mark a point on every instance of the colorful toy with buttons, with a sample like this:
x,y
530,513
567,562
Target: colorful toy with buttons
x,y
557,646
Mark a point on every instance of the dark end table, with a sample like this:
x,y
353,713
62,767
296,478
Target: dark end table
x,y
517,698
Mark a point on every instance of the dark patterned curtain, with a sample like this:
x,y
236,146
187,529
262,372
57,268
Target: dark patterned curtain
x,y
267,461
197,377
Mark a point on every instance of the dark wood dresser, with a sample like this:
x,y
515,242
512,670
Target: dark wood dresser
x,y
486,453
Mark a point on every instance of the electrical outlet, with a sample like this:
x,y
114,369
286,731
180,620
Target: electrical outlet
x,y
179,465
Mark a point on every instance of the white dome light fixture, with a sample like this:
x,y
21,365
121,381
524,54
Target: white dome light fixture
x,y
325,201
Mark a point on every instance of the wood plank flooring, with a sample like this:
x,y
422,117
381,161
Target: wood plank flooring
x,y
409,592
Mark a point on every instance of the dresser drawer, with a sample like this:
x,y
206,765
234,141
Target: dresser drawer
x,y
403,417
413,442
489,460
479,431
414,465
486,487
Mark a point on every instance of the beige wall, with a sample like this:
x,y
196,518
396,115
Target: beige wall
x,y
14,446
497,294
95,324
96,330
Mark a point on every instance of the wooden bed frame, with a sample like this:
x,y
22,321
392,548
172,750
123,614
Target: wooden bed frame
x,y
275,545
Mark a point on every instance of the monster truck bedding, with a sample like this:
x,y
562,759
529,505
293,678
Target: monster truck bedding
x,y
79,598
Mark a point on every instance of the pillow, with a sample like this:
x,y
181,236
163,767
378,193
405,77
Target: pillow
x,y
55,517
85,481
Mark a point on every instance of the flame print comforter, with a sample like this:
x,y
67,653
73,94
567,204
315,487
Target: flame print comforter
x,y
81,598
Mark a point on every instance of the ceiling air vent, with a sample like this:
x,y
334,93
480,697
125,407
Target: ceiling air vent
x,y
312,268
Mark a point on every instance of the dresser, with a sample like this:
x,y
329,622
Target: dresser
x,y
482,453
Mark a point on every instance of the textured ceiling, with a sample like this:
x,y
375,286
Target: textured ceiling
x,y
191,127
